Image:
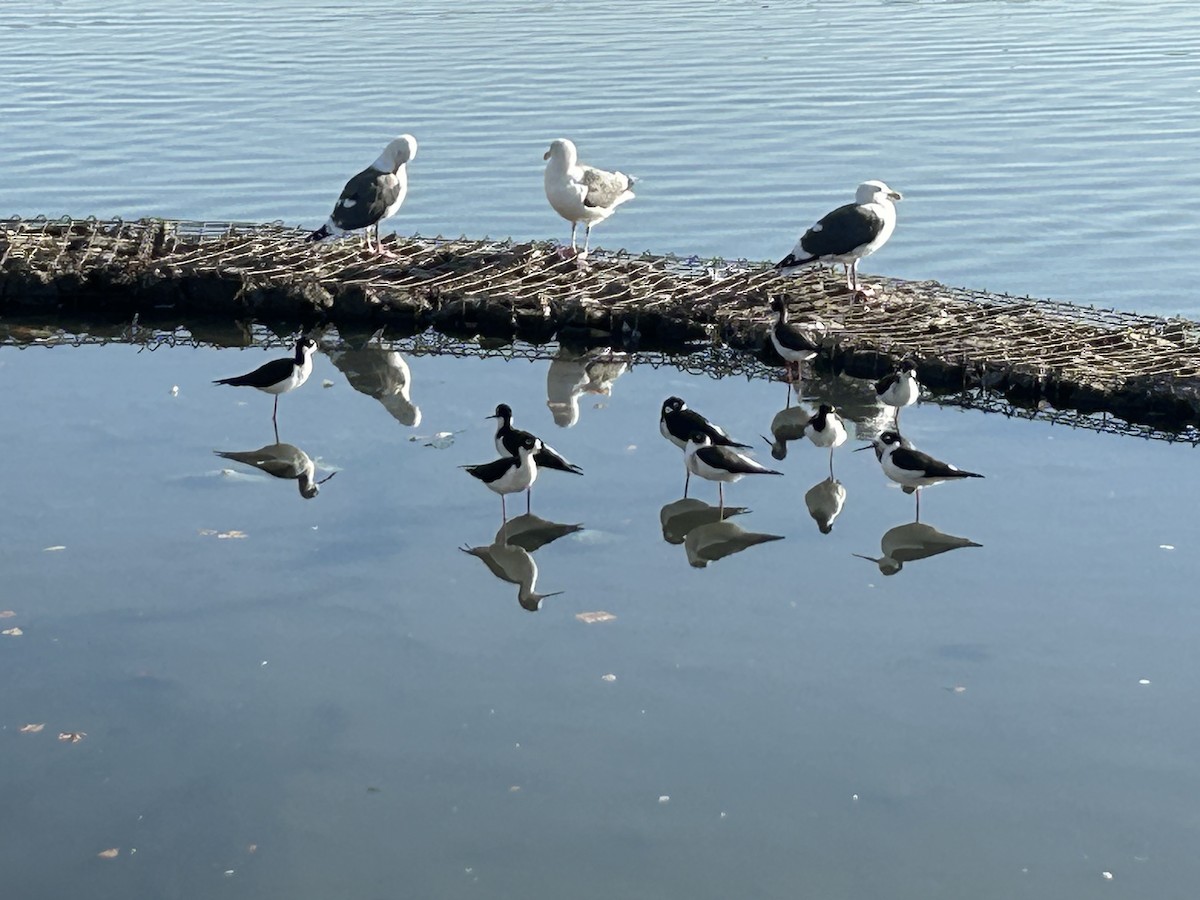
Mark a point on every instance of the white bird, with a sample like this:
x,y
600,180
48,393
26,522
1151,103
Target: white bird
x,y
847,234
372,195
826,429
581,193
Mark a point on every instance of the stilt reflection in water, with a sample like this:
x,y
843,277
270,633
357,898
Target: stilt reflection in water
x,y
714,541
285,461
825,500
788,425
514,564
681,516
913,541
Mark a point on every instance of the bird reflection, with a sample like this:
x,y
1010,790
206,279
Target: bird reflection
x,y
572,374
682,516
708,543
825,500
706,532
913,541
383,374
788,425
514,564
282,461
509,556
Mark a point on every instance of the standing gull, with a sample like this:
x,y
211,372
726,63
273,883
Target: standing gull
x,y
372,195
848,233
582,193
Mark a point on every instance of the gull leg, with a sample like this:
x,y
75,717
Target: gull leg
x,y
587,237
574,225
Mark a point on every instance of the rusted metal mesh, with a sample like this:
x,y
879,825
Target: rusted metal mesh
x,y
1048,344
715,361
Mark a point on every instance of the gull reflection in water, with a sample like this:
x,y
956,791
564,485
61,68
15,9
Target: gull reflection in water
x,y
825,500
383,374
705,532
282,461
572,374
913,541
510,556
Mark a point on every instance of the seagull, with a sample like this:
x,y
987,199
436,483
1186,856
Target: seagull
x,y
795,345
509,441
677,424
582,193
848,233
911,468
510,474
825,429
279,375
900,388
720,464
372,195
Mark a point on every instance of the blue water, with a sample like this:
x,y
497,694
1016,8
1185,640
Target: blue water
x,y
368,706
1044,148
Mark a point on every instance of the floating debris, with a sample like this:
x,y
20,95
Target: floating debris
x,y
591,618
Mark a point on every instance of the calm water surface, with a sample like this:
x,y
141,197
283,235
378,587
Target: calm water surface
x,y
345,692
1046,148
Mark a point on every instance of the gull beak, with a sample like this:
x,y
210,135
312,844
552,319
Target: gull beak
x,y
546,155
895,195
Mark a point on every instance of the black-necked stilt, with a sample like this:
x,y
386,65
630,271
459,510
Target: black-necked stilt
x,y
509,441
279,375
847,234
825,429
824,501
282,461
677,423
795,345
372,195
910,468
720,464
510,474
581,193
913,541
900,388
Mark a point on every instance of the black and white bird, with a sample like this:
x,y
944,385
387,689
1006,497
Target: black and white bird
x,y
372,195
826,429
796,345
720,464
510,474
900,388
677,423
910,468
847,234
581,193
509,441
279,375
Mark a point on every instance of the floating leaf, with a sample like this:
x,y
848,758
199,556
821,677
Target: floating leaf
x,y
110,853
32,728
591,618
73,736
233,533
15,632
